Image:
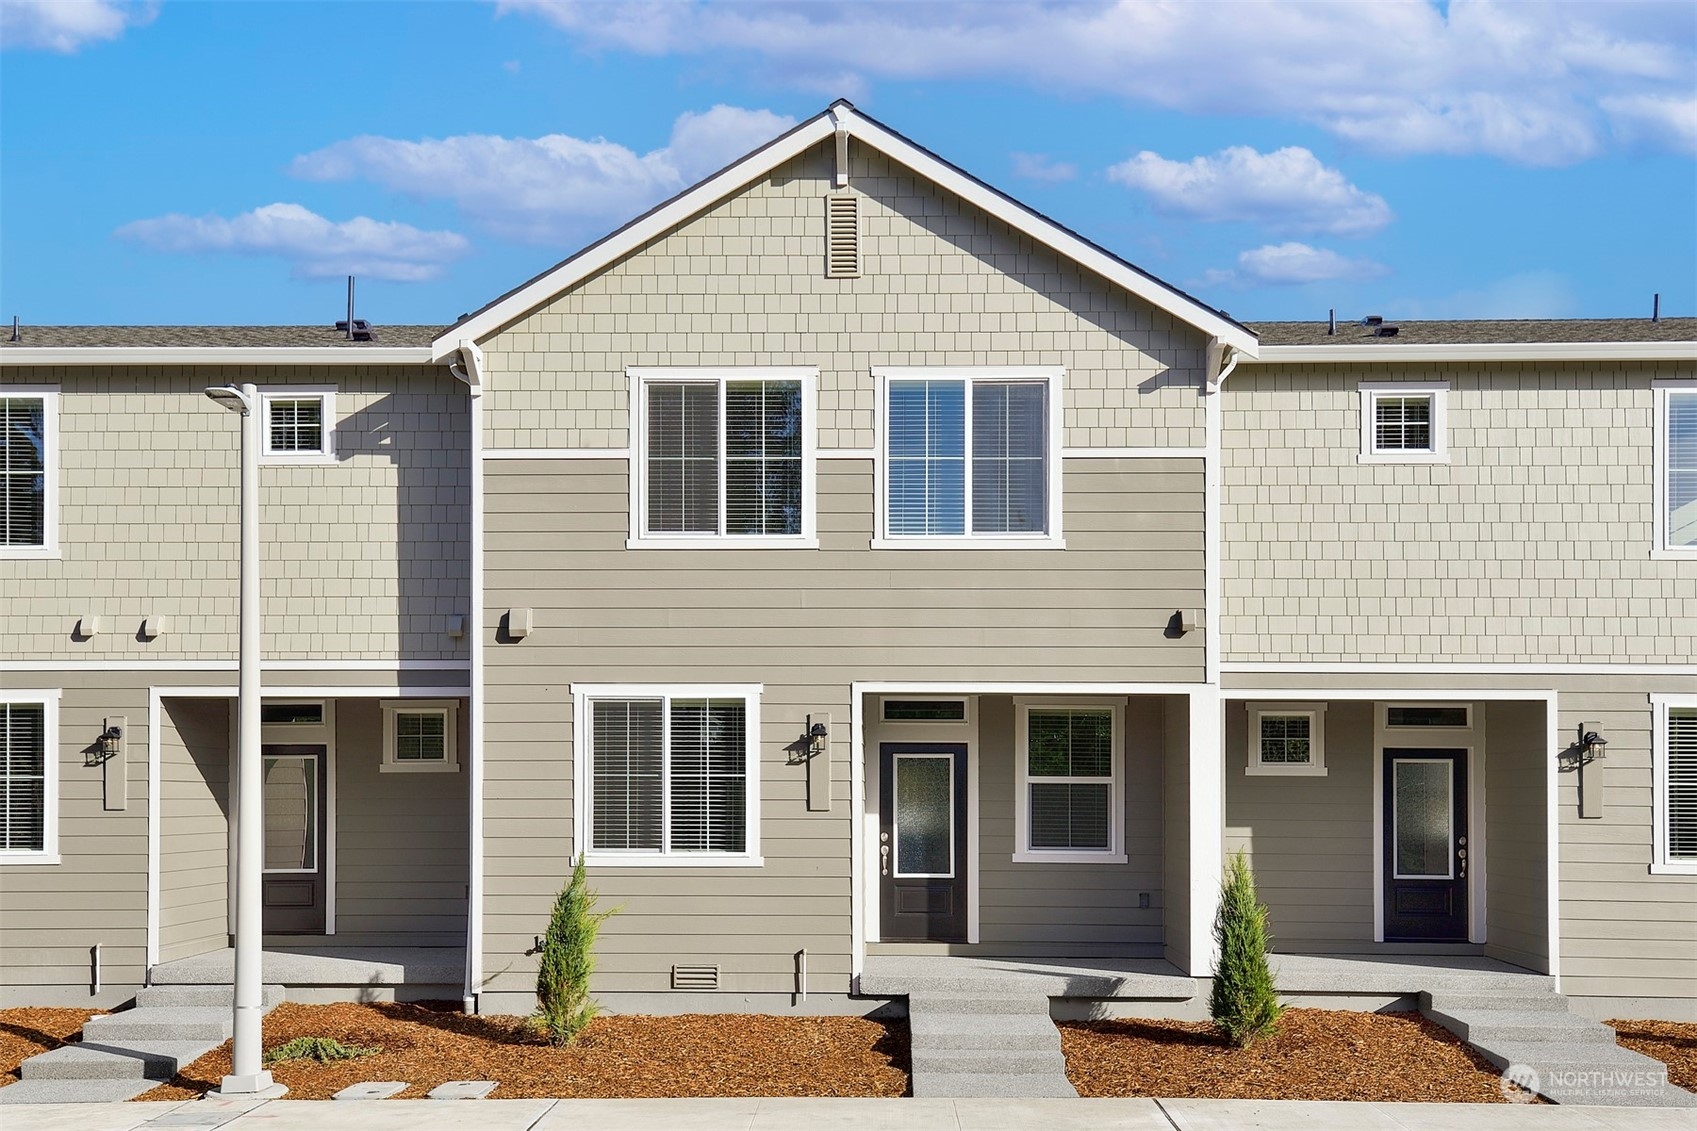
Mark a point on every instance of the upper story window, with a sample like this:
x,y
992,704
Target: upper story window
x,y
1676,467
970,457
298,425
419,736
723,458
1070,806
28,779
1403,422
29,472
668,775
1287,739
1673,759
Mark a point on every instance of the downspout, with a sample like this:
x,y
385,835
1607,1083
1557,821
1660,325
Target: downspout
x,y
472,375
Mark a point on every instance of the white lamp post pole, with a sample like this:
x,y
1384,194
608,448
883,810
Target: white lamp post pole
x,y
248,1074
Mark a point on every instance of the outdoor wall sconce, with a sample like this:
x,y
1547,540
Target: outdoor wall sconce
x,y
1589,745
111,741
816,735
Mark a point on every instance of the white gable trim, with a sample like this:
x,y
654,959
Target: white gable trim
x,y
841,116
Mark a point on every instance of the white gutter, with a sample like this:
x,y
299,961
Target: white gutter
x,y
472,374
1481,351
214,355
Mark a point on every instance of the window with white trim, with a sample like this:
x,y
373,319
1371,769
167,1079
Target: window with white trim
x,y
1676,467
669,774
723,457
1674,775
29,472
420,736
298,425
28,781
1070,807
970,456
1286,739
1404,421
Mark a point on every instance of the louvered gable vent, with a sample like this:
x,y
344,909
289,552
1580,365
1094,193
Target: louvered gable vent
x,y
842,236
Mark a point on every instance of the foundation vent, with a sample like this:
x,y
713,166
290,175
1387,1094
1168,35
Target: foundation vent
x,y
696,976
842,236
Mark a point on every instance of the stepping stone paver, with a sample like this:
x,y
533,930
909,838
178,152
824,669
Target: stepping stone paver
x,y
375,1090
462,1090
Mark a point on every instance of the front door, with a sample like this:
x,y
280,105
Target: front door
x,y
294,887
922,841
1426,857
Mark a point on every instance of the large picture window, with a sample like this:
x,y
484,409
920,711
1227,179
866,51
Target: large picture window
x,y
1070,807
723,458
668,775
28,780
29,472
1676,467
970,457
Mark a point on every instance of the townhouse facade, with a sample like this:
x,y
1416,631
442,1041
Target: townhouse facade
x,y
848,561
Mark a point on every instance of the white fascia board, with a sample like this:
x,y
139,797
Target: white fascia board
x,y
1480,351
762,161
215,355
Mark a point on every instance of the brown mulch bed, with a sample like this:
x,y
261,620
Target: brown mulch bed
x,y
427,1044
27,1031
1318,1054
1674,1043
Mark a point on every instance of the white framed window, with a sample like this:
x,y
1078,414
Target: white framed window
x,y
1070,805
297,425
1676,468
667,775
420,736
1673,771
723,458
969,457
1286,739
29,777
29,471
1404,422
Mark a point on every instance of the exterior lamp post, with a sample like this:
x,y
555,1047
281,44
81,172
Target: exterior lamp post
x,y
247,1072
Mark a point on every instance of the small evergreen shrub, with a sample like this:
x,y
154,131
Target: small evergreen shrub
x,y
321,1049
1244,1005
564,1008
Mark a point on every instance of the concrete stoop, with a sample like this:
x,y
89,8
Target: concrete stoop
x,y
1577,1061
121,1055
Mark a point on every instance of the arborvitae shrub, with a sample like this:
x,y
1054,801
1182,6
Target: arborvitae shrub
x,y
1244,1004
564,1008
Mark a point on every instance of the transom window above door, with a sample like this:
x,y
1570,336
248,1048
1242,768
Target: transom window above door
x,y
970,457
722,457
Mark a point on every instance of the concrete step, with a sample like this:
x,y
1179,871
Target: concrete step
x,y
970,1085
73,1091
170,1023
1496,1026
1593,1075
1519,1002
964,982
1015,1031
932,1062
985,1004
135,1060
198,997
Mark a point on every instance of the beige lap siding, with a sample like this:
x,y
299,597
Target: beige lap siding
x,y
194,843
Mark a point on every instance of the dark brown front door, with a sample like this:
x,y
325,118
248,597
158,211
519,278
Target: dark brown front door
x,y
922,841
295,842
1426,854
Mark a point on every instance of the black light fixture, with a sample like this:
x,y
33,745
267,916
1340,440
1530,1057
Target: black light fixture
x,y
110,741
1590,745
816,735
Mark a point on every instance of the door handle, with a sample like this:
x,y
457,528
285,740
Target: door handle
x,y
883,859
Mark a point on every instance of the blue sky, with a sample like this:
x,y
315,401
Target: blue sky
x,y
196,162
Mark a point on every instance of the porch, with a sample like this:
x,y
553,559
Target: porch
x,y
322,973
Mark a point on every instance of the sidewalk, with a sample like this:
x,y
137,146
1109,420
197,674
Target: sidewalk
x,y
831,1115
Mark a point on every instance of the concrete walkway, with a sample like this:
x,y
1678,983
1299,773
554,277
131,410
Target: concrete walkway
x,y
833,1114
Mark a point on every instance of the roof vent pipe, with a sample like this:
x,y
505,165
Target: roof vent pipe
x,y
350,308
16,337
1331,321
1655,312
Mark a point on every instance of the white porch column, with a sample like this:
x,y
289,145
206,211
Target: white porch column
x,y
1207,823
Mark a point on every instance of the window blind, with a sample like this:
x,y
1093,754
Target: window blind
x,y
23,776
23,471
927,457
708,775
626,755
1070,767
1682,783
683,457
762,457
1009,483
1682,469
1402,424
296,425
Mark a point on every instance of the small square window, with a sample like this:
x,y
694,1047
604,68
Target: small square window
x,y
1403,422
298,425
1286,739
419,736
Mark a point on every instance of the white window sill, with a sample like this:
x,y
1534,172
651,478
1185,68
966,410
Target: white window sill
x,y
51,551
1069,858
968,543
1679,868
28,858
1297,771
1674,554
269,459
419,768
1402,457
676,860
727,542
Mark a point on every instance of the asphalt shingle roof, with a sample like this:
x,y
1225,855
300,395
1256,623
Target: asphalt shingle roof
x,y
259,337
1480,332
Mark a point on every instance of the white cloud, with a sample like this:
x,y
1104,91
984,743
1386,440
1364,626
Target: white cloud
x,y
1530,294
1520,81
66,26
1037,167
317,248
1293,264
1287,190
552,188
1655,121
